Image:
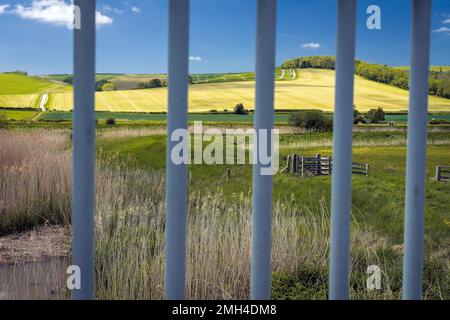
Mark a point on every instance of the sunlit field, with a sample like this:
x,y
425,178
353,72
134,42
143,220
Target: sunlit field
x,y
313,88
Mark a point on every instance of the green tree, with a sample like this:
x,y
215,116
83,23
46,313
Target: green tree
x,y
108,87
311,120
376,115
110,121
154,83
3,121
239,109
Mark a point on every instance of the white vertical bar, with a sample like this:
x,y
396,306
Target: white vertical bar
x,y
342,150
83,192
176,174
262,184
416,156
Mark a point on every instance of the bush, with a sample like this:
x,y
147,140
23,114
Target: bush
x,y
110,121
311,120
239,109
3,121
359,119
108,87
439,121
376,115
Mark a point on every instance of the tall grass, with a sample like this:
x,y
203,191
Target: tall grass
x,y
130,244
130,224
35,178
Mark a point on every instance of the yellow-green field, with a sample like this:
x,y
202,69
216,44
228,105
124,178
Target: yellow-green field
x,y
312,88
19,100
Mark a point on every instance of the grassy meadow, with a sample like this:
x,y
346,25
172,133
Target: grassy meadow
x,y
129,245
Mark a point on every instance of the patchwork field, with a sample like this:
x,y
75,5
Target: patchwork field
x,y
295,89
312,88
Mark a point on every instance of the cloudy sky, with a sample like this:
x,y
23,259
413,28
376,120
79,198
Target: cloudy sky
x,y
132,34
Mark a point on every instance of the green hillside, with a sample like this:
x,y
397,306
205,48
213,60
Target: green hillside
x,y
15,84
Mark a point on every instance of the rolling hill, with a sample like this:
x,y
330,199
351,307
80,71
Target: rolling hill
x,y
302,89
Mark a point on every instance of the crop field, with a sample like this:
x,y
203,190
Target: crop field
x,y
19,100
295,89
313,88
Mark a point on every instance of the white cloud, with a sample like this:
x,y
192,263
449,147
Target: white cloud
x,y
136,9
3,8
101,19
442,29
56,12
311,45
107,8
447,21
195,58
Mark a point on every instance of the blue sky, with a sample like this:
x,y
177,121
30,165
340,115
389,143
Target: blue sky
x,y
132,34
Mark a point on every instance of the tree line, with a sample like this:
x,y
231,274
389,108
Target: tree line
x,y
439,81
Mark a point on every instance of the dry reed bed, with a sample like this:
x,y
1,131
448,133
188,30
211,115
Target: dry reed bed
x,y
35,178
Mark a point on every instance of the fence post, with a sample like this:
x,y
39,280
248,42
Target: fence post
x,y
262,184
416,154
303,166
342,149
83,192
176,174
438,173
294,164
367,169
319,164
288,170
228,174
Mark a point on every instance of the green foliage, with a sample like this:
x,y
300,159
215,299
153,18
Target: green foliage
x,y
110,121
358,117
108,87
439,121
317,62
439,83
3,121
68,80
20,72
153,83
100,83
305,286
310,120
239,109
376,115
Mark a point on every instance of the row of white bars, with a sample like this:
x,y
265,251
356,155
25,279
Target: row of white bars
x,y
176,175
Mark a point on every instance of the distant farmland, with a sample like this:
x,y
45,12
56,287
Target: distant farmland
x,y
304,89
313,88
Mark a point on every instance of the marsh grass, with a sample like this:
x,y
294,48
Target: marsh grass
x,y
130,224
35,179
130,244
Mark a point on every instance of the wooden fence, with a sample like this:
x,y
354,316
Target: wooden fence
x,y
442,173
318,166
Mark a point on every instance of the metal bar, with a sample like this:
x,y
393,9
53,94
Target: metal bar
x,y
176,174
262,184
83,190
342,150
417,144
